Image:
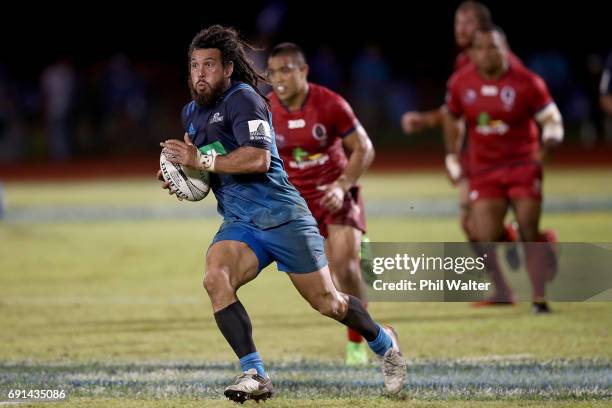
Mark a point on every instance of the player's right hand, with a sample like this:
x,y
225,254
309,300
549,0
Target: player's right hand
x,y
412,122
453,167
165,185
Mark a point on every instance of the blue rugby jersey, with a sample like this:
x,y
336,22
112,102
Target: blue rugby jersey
x,y
241,118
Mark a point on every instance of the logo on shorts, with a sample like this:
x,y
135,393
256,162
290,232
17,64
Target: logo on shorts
x,y
473,195
537,185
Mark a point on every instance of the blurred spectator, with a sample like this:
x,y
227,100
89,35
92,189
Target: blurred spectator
x,y
325,68
400,98
259,56
605,99
573,100
11,142
554,69
59,89
267,23
270,19
124,104
370,75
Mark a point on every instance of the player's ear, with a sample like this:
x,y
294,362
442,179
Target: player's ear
x,y
305,69
228,69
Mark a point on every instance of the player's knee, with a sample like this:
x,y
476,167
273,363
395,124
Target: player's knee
x,y
216,281
328,305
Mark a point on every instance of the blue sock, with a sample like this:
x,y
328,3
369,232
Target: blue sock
x,y
381,343
253,360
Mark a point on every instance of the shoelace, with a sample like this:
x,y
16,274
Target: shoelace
x,y
390,368
255,377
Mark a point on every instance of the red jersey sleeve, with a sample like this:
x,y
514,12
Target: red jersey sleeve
x,y
343,116
540,97
453,99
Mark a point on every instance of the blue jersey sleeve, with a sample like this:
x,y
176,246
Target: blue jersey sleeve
x,y
250,120
186,114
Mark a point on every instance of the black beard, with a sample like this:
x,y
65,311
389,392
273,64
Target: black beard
x,y
207,99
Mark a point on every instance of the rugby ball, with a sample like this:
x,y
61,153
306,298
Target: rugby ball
x,y
187,183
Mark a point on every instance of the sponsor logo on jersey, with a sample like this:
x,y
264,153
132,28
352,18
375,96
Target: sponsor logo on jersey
x,y
259,130
508,94
488,90
469,96
216,118
191,131
487,126
296,124
319,132
304,160
215,148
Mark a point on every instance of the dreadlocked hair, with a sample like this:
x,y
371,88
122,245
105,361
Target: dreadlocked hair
x,y
232,47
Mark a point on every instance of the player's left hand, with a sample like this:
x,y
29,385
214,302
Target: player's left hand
x,y
182,152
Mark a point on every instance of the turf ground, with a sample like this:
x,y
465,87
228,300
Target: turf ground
x,y
100,294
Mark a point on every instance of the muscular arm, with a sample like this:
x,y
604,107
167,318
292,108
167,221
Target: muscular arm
x,y
418,121
454,132
244,160
361,154
453,129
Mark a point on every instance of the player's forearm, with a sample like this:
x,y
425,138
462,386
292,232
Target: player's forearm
x,y
244,160
360,159
452,129
433,118
551,121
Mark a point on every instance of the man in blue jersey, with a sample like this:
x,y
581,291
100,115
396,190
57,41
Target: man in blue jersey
x,y
229,133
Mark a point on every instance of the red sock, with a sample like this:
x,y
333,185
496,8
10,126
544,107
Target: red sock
x,y
510,234
353,336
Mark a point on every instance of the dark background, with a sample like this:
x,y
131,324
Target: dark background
x,y
416,41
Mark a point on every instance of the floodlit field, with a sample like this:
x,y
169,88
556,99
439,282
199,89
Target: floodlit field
x,y
101,295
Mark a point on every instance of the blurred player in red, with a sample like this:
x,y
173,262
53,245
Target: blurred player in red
x,y
502,104
469,16
314,128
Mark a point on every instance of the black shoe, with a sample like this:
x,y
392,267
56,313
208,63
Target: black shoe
x,y
513,258
540,308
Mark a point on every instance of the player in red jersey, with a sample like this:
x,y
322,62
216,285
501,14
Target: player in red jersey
x,y
314,128
502,104
468,17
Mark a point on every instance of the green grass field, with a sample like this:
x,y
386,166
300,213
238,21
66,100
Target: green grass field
x,y
113,310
